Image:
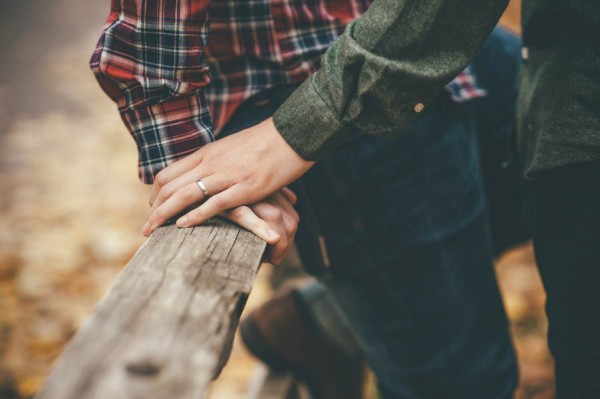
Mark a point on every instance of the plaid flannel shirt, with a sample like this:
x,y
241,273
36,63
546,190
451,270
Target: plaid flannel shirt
x,y
176,85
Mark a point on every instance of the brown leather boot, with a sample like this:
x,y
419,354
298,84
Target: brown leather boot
x,y
283,335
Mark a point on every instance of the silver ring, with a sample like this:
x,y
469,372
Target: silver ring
x,y
203,188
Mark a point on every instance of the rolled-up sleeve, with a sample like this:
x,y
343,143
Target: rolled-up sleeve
x,y
385,69
149,61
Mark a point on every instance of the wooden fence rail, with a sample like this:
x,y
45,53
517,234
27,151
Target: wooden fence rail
x,y
165,328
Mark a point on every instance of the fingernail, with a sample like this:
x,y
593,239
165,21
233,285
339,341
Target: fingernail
x,y
273,235
182,222
146,228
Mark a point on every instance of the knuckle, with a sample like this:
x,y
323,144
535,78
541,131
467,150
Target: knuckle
x,y
187,193
218,202
160,178
273,214
291,229
260,208
240,211
294,215
166,192
161,197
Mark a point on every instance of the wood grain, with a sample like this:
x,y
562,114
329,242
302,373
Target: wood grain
x,y
165,328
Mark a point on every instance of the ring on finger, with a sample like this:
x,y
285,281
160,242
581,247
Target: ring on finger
x,y
203,188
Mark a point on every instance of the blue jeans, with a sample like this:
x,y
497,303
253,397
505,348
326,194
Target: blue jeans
x,y
397,229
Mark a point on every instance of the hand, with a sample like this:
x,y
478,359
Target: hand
x,y
240,169
273,219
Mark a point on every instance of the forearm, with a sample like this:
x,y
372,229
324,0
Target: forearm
x,y
398,55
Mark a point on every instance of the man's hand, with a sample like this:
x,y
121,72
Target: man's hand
x,y
241,169
273,219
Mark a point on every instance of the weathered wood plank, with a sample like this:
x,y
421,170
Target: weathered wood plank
x,y
165,328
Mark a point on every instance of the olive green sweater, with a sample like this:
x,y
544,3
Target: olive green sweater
x,y
400,53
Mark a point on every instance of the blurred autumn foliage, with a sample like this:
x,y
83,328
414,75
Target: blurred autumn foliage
x,y
71,205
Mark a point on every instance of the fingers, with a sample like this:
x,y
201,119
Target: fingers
x,y
275,217
281,200
182,199
290,195
176,184
227,198
290,225
172,172
245,217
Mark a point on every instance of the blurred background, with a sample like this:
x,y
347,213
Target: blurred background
x,y
71,205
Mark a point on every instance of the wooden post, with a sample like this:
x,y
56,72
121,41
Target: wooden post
x,y
165,328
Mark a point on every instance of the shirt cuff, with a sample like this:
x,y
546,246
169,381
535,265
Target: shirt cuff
x,y
308,125
167,131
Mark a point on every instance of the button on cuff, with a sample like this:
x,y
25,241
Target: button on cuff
x,y
419,107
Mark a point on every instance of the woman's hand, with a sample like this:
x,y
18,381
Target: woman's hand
x,y
240,169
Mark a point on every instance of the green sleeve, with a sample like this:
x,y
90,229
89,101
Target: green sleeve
x,y
388,63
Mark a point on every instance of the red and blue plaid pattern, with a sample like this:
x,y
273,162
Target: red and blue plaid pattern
x,y
465,87
176,85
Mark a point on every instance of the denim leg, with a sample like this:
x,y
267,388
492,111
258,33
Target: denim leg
x,y
402,225
438,330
